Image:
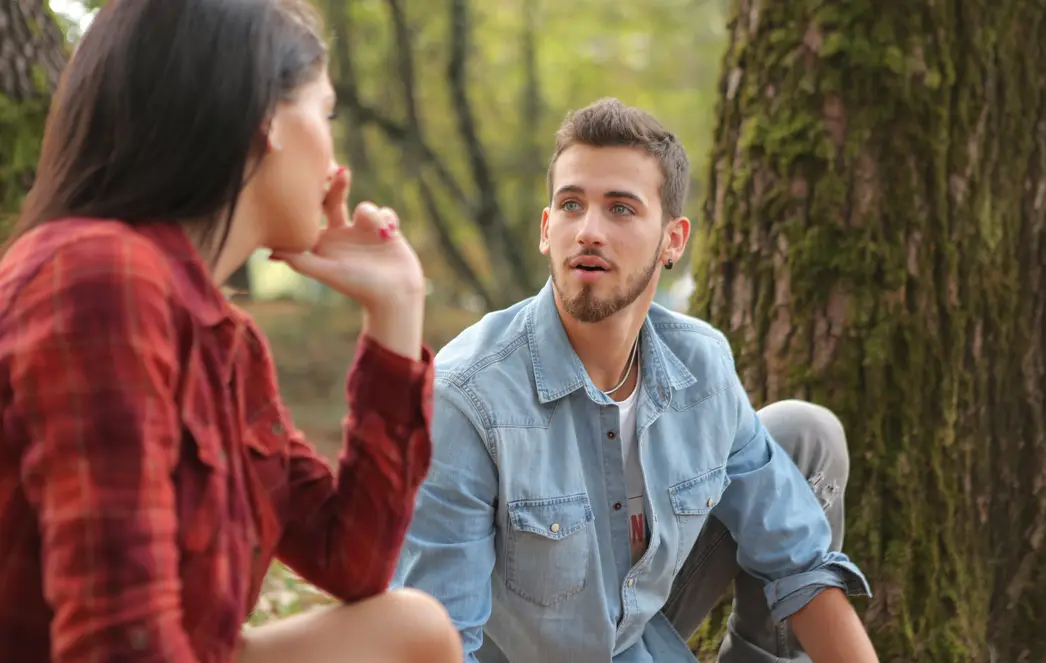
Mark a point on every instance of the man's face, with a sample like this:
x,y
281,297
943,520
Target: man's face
x,y
603,231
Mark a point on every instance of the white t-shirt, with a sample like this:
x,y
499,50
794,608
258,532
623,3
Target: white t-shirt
x,y
637,530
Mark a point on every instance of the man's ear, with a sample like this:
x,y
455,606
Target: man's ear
x,y
678,233
543,243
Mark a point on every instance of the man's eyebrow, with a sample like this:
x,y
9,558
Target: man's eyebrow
x,y
568,188
573,188
624,194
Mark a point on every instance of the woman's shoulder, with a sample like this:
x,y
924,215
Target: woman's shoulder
x,y
95,266
84,248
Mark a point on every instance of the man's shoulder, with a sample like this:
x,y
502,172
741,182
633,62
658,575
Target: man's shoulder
x,y
486,371
488,344
687,335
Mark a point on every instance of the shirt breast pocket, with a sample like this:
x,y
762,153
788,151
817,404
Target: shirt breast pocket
x,y
692,500
548,548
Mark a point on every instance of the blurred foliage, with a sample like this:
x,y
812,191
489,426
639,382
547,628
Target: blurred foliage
x,y
448,112
28,74
467,171
283,594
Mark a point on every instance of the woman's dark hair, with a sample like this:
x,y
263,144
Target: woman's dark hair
x,y
162,106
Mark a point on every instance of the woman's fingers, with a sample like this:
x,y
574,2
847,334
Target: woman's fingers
x,y
335,204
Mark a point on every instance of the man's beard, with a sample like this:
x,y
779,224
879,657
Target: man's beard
x,y
586,307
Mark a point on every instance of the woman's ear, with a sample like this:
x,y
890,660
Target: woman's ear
x,y
272,139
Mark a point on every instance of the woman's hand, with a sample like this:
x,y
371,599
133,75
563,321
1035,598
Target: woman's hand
x,y
371,262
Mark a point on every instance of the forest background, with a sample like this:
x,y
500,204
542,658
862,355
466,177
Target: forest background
x,y
869,205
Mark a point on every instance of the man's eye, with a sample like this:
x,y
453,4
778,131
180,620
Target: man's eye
x,y
620,209
571,206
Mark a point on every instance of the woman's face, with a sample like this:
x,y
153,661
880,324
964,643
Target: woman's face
x,y
289,186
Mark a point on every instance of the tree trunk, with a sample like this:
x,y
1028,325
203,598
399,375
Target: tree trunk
x,y
875,243
32,54
516,276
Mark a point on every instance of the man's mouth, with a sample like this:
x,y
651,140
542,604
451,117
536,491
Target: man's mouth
x,y
590,263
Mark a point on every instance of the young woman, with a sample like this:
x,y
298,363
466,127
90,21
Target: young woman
x,y
148,470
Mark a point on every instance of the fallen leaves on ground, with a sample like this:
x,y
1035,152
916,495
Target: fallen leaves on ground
x,y
283,594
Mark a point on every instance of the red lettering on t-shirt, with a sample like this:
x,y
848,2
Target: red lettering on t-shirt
x,y
638,528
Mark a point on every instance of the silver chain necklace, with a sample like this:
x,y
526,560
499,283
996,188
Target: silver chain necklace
x,y
628,371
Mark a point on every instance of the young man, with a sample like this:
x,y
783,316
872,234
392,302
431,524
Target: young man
x,y
599,476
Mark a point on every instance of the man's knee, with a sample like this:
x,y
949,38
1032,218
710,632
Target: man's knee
x,y
815,439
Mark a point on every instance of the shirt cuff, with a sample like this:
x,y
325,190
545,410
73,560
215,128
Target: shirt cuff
x,y
788,596
396,388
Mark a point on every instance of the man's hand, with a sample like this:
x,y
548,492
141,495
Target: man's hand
x,y
830,631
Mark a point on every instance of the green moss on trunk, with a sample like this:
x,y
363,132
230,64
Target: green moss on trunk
x,y
29,71
875,207
21,128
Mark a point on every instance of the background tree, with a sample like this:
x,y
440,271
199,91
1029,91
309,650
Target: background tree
x,y
32,54
450,108
875,243
871,238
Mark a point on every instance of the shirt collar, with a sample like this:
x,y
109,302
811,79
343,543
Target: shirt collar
x,y
558,370
192,278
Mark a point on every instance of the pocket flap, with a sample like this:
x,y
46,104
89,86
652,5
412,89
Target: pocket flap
x,y
206,441
266,432
698,496
554,518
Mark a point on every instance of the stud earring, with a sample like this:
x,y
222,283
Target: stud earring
x,y
668,265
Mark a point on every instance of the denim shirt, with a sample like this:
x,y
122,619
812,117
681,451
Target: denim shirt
x,y
516,532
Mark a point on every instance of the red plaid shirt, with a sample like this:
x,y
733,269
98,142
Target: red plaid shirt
x,y
149,472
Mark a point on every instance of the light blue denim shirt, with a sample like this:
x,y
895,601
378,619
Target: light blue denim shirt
x,y
516,532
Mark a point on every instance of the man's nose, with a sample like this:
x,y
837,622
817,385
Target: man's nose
x,y
592,229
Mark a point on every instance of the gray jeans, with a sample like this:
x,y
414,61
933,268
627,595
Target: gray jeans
x,y
815,439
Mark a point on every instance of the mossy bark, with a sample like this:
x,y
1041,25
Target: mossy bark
x,y
32,54
874,241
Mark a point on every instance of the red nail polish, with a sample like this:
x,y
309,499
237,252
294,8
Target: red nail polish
x,y
384,232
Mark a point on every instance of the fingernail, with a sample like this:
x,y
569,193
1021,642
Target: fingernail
x,y
341,170
385,233
275,258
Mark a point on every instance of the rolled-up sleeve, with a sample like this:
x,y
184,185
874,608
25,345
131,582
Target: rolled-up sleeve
x,y
384,459
782,533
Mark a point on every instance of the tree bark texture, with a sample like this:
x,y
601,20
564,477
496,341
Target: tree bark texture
x,y
32,54
874,241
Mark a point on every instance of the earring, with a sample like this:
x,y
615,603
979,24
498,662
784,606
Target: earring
x,y
668,265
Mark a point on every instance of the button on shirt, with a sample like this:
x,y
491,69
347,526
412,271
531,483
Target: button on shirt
x,y
519,528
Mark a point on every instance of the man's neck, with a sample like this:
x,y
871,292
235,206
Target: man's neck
x,y
605,347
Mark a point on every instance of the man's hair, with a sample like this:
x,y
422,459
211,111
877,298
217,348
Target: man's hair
x,y
610,123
